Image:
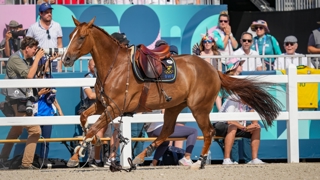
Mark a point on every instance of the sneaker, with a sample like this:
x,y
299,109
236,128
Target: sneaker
x,y
256,161
235,162
108,162
185,162
94,164
28,167
227,161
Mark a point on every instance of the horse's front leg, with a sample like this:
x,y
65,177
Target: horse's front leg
x,y
80,150
84,117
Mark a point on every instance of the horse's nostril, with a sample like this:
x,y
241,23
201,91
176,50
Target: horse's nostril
x,y
67,59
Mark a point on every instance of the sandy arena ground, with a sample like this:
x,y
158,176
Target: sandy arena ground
x,y
243,172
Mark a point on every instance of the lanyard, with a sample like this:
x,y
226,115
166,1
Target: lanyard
x,y
22,57
264,45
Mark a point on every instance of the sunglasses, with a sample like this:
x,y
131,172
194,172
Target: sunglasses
x,y
247,40
289,43
259,27
207,41
225,21
49,37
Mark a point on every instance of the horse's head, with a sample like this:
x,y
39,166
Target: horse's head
x,y
81,42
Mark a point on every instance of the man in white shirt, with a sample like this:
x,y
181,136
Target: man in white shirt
x,y
251,63
47,32
290,45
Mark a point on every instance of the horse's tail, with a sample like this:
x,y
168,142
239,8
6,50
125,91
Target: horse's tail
x,y
253,94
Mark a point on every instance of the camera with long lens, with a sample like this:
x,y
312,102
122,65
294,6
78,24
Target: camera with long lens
x,y
52,51
30,101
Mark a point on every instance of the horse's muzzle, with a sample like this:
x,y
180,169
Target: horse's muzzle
x,y
67,61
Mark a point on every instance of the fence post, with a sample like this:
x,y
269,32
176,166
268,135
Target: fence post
x,y
292,123
126,132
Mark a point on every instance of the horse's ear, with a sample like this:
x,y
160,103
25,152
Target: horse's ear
x,y
91,22
76,22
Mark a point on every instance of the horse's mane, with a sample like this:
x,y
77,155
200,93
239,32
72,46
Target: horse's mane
x,y
106,33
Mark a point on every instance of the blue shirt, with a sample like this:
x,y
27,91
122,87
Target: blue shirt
x,y
44,108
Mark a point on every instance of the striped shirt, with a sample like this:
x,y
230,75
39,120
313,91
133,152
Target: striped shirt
x,y
40,34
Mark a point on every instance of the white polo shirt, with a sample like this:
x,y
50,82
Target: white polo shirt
x,y
283,63
251,63
40,34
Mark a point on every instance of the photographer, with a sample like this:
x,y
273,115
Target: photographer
x,y
22,66
12,41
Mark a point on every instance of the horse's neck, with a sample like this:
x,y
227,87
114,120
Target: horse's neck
x,y
105,53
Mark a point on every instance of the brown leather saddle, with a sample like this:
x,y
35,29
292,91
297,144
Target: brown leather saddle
x,y
150,60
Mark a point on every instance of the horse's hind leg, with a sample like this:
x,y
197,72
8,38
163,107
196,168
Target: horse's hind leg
x,y
202,118
170,118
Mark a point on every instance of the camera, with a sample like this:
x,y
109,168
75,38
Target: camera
x,y
16,34
30,100
52,51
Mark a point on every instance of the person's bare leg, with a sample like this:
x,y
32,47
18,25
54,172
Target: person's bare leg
x,y
187,155
154,162
255,143
229,140
177,1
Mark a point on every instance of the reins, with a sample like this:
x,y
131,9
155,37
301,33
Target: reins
x,y
114,167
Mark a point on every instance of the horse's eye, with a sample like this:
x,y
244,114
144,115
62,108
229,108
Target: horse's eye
x,y
82,37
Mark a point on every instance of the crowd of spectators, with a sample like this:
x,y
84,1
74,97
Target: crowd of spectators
x,y
223,43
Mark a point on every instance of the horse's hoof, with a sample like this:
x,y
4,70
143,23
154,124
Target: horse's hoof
x,y
72,163
196,165
137,160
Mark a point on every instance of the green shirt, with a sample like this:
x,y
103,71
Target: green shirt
x,y
17,66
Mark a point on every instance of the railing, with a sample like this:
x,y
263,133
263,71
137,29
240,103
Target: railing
x,y
291,115
290,5
300,57
82,65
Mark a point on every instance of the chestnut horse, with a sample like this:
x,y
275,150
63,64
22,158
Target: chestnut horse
x,y
118,90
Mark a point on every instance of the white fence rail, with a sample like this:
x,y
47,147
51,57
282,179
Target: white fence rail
x,y
291,115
